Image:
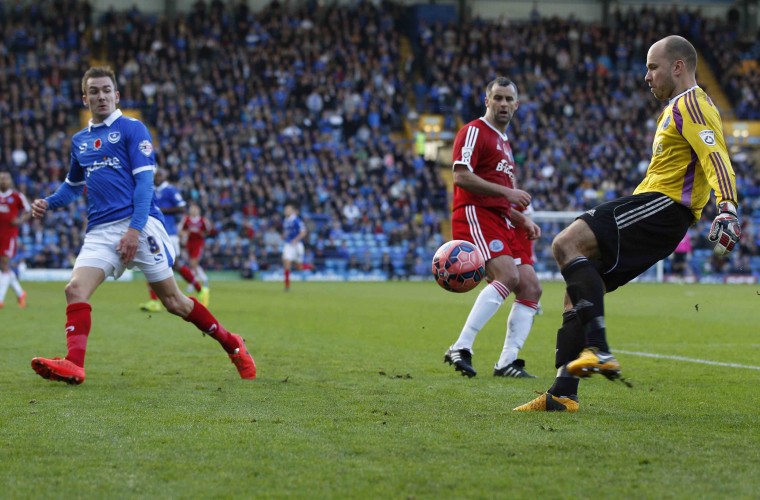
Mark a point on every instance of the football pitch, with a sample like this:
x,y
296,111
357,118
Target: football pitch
x,y
353,399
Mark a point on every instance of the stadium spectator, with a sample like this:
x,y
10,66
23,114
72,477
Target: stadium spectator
x,y
113,158
615,242
212,84
484,194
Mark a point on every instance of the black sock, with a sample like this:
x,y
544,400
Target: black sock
x,y
570,339
565,387
586,291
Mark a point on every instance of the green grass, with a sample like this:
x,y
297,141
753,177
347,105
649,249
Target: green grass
x,y
353,399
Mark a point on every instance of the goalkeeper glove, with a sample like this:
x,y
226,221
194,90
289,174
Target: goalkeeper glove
x,y
725,230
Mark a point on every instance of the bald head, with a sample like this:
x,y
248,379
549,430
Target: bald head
x,y
671,67
677,48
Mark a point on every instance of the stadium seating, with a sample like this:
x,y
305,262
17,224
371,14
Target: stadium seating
x,y
244,122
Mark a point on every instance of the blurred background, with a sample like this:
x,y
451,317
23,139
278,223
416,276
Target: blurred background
x,y
350,109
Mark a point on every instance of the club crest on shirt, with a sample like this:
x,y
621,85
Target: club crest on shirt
x,y
113,137
146,147
708,137
496,246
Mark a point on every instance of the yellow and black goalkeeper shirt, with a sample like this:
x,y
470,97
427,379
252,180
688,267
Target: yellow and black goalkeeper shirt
x,y
689,155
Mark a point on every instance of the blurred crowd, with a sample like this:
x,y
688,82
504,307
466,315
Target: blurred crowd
x,y
584,129
252,109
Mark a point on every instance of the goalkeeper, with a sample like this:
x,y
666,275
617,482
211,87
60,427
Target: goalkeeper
x,y
613,243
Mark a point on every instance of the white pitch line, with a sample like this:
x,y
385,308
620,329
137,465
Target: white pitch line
x,y
691,360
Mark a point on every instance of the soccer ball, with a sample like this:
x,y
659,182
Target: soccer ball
x,y
458,266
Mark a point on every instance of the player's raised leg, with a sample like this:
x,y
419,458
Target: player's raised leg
x,y
191,310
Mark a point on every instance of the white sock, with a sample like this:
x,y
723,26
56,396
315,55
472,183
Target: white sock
x,y
486,305
519,324
16,285
5,279
200,275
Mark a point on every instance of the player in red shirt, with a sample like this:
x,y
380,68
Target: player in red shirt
x,y
484,195
194,228
14,211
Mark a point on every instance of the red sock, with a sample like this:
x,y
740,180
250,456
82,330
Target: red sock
x,y
207,323
153,295
78,323
188,276
530,303
287,278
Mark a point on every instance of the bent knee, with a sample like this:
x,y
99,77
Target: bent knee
x,y
560,245
178,305
509,280
74,292
530,291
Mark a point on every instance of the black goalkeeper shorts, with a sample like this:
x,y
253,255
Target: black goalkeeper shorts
x,y
634,233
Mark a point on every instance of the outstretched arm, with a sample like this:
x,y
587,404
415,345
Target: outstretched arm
x,y
65,194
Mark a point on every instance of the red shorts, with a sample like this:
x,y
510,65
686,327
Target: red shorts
x,y
522,247
195,249
8,246
491,232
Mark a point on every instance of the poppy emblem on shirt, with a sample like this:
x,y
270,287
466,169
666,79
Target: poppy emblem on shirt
x,y
113,137
97,144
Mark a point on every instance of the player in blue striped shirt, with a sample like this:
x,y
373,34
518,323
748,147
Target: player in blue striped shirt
x,y
113,158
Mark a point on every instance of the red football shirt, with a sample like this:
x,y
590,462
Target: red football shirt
x,y
12,204
196,227
486,152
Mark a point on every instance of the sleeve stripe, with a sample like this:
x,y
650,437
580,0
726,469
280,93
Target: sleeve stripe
x,y
724,180
699,110
75,183
714,162
678,117
472,137
688,107
143,169
694,112
729,193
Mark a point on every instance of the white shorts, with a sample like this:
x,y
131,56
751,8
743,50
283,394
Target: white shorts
x,y
175,243
293,252
155,252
